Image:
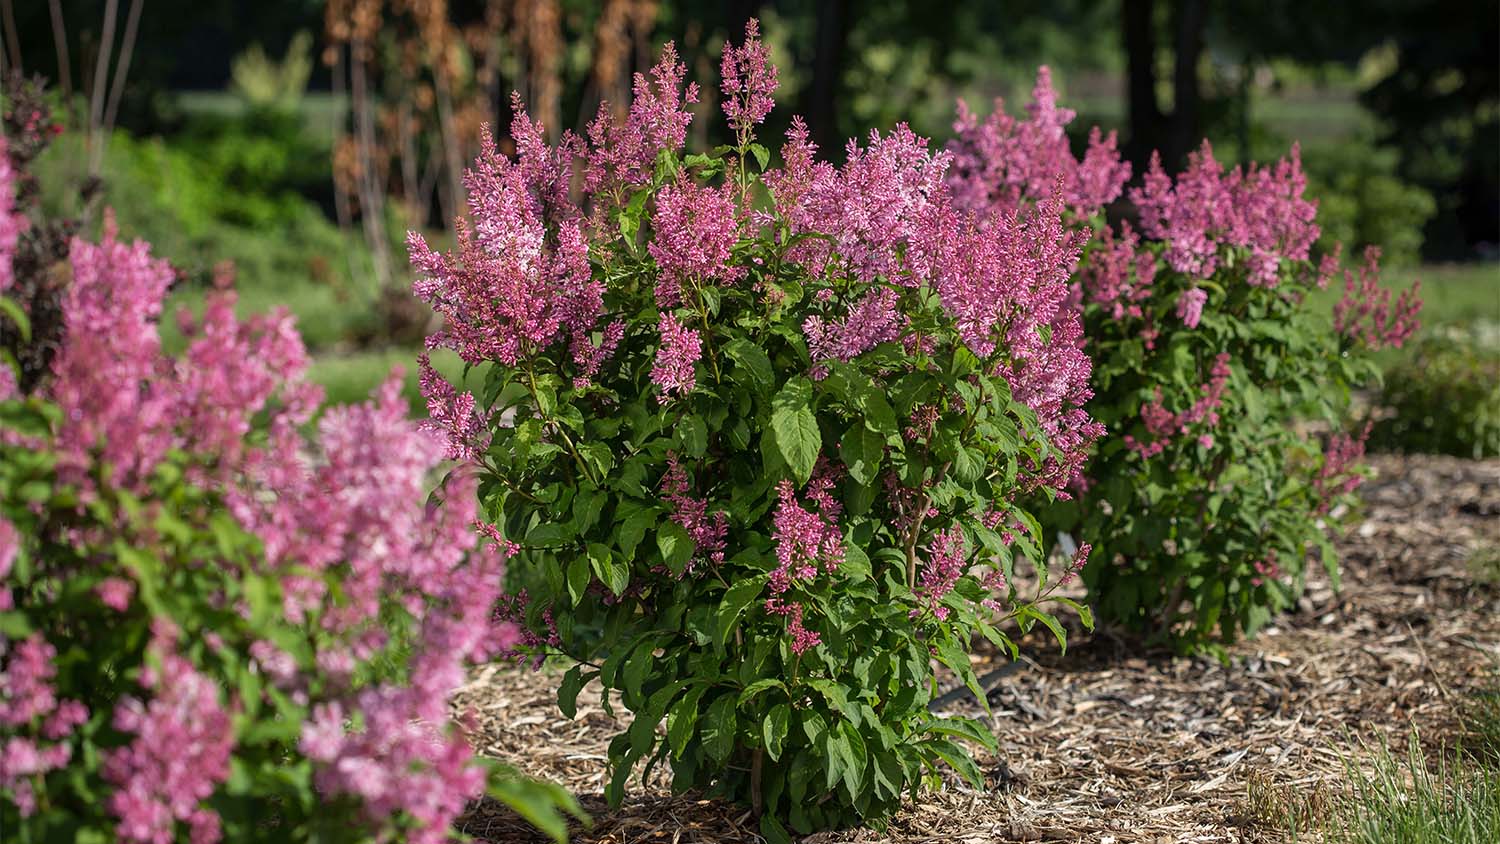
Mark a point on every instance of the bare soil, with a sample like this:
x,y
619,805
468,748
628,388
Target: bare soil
x,y
1111,744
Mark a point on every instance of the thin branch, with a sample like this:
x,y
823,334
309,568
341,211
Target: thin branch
x,y
64,62
101,71
122,66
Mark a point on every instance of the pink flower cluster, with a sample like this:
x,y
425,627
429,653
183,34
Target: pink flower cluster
x,y
12,223
1366,314
1266,569
872,320
622,153
693,230
451,414
946,561
29,704
1003,162
708,533
520,280
1261,210
868,210
748,80
1190,306
1118,274
680,349
808,541
1339,472
1163,424
178,754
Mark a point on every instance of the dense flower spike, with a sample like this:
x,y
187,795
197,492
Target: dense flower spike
x,y
1118,274
873,320
1163,424
451,414
27,698
1366,314
1190,306
694,230
178,754
748,80
870,208
691,513
622,153
946,560
1003,161
1261,210
680,348
520,280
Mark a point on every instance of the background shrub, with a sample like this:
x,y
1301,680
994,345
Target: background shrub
x,y
1443,397
759,437
1362,200
1225,396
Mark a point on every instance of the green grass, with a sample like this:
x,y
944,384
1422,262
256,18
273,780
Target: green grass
x,y
1416,799
350,377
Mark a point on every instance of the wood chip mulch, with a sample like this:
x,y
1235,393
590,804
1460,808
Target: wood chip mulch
x,y
1112,745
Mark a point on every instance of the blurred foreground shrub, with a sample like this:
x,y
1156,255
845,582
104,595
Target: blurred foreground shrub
x,y
213,626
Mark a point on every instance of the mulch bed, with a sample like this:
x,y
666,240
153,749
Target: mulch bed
x,y
1108,744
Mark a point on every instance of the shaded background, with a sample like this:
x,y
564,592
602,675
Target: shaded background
x,y
300,139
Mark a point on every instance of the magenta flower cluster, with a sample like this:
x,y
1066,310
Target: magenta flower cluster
x,y
1261,210
346,505
1164,425
1366,314
1003,161
747,79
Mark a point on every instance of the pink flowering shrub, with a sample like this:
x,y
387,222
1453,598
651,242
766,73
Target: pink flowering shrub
x,y
1225,393
213,627
762,436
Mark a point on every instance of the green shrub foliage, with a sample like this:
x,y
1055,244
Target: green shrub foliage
x,y
1443,397
760,437
1226,396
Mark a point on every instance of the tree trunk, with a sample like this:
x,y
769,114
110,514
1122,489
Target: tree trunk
x,y
821,106
1143,111
1186,130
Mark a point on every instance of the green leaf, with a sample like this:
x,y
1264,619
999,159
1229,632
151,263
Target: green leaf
x,y
957,758
856,564
762,155
775,728
634,530
692,435
11,309
683,719
965,728
719,728
630,217
1049,622
740,596
796,428
567,691
578,578
753,360
614,573
675,545
862,451
749,693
